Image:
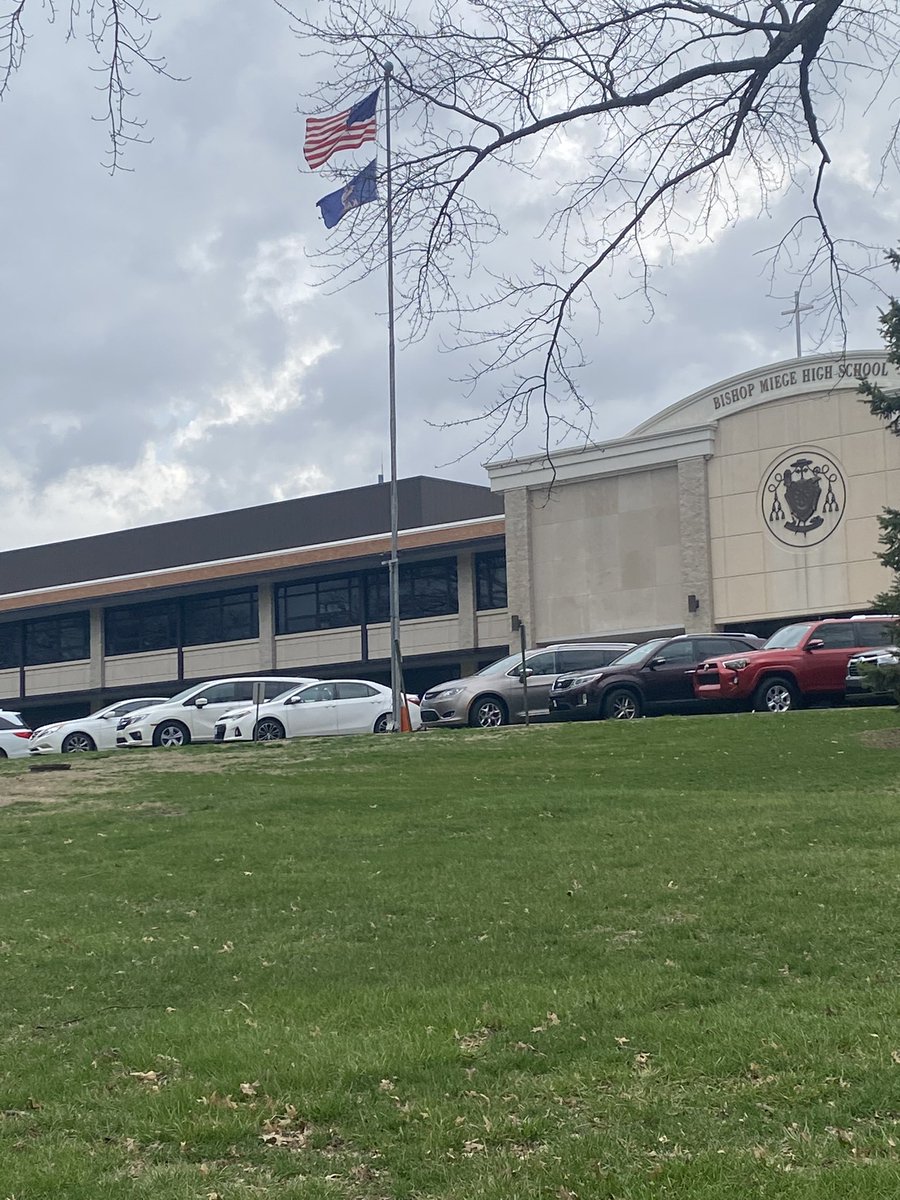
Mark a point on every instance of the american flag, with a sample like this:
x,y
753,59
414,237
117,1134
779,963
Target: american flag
x,y
345,131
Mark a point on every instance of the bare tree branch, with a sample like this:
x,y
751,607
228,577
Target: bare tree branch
x,y
119,33
639,126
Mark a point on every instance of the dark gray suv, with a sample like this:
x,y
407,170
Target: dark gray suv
x,y
495,695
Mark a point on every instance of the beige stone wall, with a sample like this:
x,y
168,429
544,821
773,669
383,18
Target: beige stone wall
x,y
754,574
606,555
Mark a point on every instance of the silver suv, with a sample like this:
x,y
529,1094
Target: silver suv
x,y
495,694
857,685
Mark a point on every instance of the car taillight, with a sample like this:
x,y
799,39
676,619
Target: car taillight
x,y
23,733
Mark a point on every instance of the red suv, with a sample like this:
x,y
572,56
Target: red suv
x,y
798,663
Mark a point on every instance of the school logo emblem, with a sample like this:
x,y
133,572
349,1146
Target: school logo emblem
x,y
803,498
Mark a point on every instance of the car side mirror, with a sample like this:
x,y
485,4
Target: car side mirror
x,y
657,662
201,702
814,644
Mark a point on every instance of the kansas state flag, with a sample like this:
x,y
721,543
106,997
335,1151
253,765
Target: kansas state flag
x,y
360,190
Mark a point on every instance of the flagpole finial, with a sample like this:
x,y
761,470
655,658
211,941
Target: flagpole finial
x,y
388,69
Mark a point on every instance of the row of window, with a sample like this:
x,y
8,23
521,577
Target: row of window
x,y
426,590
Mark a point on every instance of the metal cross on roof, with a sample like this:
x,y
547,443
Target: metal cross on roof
x,y
795,312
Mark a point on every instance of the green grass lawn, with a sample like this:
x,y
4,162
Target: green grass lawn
x,y
646,960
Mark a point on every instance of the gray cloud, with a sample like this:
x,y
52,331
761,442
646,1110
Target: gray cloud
x,y
166,350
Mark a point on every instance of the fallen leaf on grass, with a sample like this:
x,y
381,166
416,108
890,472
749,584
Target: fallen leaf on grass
x,y
217,1100
470,1042
288,1131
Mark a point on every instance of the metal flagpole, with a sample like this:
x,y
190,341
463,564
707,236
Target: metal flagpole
x,y
393,564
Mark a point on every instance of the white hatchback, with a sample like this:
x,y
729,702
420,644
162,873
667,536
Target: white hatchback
x,y
15,735
191,716
322,709
96,732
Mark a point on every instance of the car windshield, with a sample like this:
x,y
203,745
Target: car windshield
x,y
787,638
177,699
635,657
504,664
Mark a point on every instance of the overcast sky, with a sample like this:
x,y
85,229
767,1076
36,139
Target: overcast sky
x,y
165,349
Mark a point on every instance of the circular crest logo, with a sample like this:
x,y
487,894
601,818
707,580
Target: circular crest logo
x,y
803,498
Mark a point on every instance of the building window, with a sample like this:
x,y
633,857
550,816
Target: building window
x,y
490,579
221,617
57,639
426,590
10,645
137,628
318,604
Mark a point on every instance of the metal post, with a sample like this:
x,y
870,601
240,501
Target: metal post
x,y
393,564
516,624
524,670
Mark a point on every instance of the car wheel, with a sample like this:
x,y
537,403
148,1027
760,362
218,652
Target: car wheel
x,y
384,723
3,754
171,734
78,743
268,730
622,704
776,695
488,713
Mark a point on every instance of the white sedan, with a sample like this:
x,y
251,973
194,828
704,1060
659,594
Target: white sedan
x,y
14,735
96,732
318,709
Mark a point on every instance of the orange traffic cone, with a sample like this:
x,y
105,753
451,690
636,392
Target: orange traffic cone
x,y
405,723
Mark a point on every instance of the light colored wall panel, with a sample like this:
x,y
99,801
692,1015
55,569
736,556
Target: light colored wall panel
x,y
598,554
855,416
428,636
820,417
779,425
127,669
714,476
861,536
868,495
9,684
740,514
317,648
716,517
222,658
742,471
493,627
862,453
867,578
746,596
744,555
736,434
58,677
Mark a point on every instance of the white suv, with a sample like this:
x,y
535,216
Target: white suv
x,y
495,694
191,716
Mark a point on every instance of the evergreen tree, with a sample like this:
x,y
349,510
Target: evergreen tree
x,y
886,405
